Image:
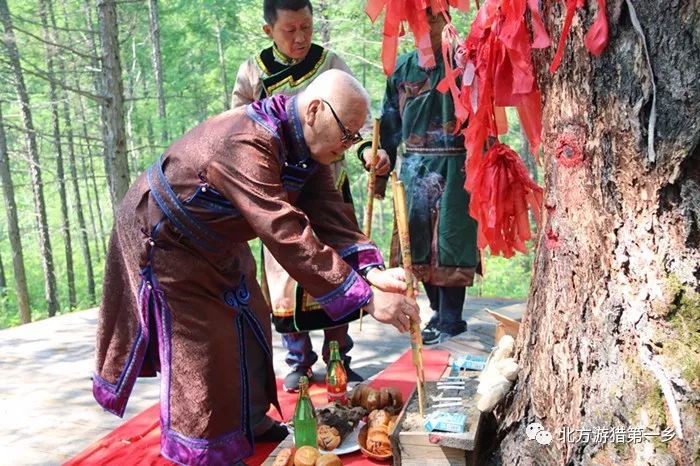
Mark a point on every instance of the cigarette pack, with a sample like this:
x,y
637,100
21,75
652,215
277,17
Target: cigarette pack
x,y
469,362
446,422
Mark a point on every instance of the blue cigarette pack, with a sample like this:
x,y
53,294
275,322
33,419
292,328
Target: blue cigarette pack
x,y
446,422
469,362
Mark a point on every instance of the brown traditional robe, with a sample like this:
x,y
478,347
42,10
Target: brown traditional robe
x,y
180,294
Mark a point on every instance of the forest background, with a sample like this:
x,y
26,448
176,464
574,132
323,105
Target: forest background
x,y
179,60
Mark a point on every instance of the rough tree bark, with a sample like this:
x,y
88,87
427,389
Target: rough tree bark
x,y
51,52
610,337
34,163
113,132
13,232
154,24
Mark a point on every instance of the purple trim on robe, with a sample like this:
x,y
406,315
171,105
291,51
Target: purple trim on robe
x,y
226,449
278,115
113,397
345,299
361,256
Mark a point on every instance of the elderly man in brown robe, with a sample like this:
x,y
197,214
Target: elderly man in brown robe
x,y
180,295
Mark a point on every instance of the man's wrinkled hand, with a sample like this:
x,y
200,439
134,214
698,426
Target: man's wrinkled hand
x,y
383,165
394,309
391,280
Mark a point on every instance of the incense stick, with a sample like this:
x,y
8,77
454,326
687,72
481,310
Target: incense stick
x,y
405,243
371,184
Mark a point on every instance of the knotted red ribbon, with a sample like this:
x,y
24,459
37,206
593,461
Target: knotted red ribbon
x,y
413,12
502,192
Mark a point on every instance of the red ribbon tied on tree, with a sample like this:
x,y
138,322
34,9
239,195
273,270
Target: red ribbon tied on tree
x,y
501,195
413,12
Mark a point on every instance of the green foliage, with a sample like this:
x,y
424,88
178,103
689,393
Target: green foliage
x,y
193,91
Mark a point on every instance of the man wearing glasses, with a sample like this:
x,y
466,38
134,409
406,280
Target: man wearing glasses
x,y
180,295
287,67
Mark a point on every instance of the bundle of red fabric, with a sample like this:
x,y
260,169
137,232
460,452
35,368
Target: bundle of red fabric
x,y
497,71
413,12
502,191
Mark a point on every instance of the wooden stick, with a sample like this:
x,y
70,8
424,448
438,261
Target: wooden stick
x,y
405,242
371,183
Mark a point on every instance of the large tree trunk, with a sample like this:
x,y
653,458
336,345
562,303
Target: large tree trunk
x,y
34,164
113,132
84,240
51,52
611,335
157,66
13,232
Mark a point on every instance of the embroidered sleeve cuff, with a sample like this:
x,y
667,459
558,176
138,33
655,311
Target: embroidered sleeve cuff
x,y
361,256
351,295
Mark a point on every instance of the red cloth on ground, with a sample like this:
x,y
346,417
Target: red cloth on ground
x,y
137,441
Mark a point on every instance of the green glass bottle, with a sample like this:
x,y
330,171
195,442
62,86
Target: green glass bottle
x,y
304,417
336,377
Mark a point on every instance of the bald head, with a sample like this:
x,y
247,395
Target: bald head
x,y
342,90
326,134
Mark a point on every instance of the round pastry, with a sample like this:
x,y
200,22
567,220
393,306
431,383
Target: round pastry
x,y
329,459
378,417
327,437
284,458
378,441
306,456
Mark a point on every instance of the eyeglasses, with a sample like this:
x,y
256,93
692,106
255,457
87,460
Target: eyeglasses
x,y
348,137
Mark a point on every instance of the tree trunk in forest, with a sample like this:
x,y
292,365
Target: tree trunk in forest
x,y
3,279
611,335
34,164
134,76
113,132
91,184
225,94
84,240
8,190
157,66
324,24
51,51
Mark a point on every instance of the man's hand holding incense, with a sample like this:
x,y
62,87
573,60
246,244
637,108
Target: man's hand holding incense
x,y
393,308
391,280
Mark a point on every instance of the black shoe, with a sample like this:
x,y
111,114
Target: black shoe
x,y
431,335
291,381
276,433
353,377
